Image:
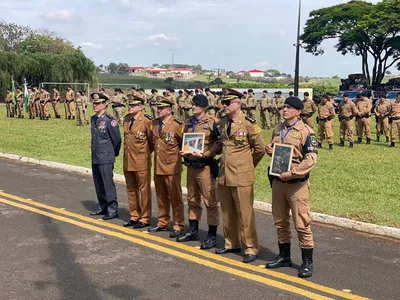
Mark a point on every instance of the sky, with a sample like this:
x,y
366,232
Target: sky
x,y
231,35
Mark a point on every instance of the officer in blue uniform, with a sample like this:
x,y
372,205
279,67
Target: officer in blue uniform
x,y
106,143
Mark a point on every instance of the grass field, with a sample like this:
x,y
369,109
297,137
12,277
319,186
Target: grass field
x,y
360,184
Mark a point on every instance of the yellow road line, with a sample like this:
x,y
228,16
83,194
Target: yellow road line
x,y
191,258
193,250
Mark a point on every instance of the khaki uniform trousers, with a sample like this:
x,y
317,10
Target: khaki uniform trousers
x,y
364,126
200,183
265,117
169,193
37,107
56,108
294,197
346,128
20,108
308,121
278,116
86,115
119,114
42,109
382,124
154,111
325,126
71,109
238,216
10,109
251,113
139,195
395,130
80,115
46,109
31,109
182,114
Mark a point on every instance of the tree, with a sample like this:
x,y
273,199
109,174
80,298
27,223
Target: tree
x,y
388,73
272,73
246,75
113,68
155,65
47,43
370,31
169,81
11,35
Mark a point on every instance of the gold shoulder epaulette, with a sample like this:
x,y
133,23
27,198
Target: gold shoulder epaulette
x,y
178,121
148,116
250,119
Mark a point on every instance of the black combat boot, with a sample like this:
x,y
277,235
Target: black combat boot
x,y
378,138
192,234
391,145
283,258
319,145
387,139
73,118
306,268
69,118
351,145
211,240
368,141
341,144
359,141
330,147
58,117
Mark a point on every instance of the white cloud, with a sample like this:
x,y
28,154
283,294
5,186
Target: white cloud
x,y
160,39
60,15
91,46
164,10
125,3
262,64
282,32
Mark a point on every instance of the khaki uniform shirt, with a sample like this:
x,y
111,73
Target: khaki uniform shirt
x,y
45,96
56,95
167,160
120,99
364,107
37,94
382,108
251,102
188,102
31,97
309,107
266,103
181,101
137,144
243,101
326,110
153,99
80,100
211,100
280,102
305,144
70,95
8,97
395,109
347,109
242,150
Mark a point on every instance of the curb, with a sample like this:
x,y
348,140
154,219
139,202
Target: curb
x,y
258,205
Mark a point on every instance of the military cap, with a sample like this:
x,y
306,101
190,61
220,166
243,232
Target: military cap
x,y
207,90
196,91
279,92
250,90
231,94
325,96
180,92
98,98
244,93
265,91
291,93
153,91
200,100
133,88
117,90
346,95
141,89
306,94
294,102
364,94
164,102
135,99
219,93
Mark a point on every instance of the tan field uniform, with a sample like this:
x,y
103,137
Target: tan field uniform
x,y
251,106
136,166
20,104
188,107
308,111
382,113
334,105
211,104
220,113
153,105
70,103
118,106
326,113
279,105
200,182
243,105
9,105
37,103
172,97
347,111
363,118
266,112
31,105
81,102
181,105
85,112
55,102
44,105
395,116
242,150
294,194
167,171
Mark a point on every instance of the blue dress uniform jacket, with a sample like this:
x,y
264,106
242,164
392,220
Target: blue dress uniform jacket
x,y
106,139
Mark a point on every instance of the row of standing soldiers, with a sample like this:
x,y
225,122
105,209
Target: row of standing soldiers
x,y
40,101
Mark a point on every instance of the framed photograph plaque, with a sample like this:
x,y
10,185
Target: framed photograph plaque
x,y
193,142
281,159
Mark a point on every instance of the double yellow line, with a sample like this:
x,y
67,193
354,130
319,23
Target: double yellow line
x,y
191,254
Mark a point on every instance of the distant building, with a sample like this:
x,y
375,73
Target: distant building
x,y
256,73
241,72
183,71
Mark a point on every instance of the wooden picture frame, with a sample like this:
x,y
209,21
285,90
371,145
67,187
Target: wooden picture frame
x,y
193,142
281,159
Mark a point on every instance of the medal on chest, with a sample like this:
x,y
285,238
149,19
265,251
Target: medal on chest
x,y
140,135
169,138
240,137
102,126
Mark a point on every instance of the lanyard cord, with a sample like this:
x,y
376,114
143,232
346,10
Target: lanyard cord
x,y
196,121
288,130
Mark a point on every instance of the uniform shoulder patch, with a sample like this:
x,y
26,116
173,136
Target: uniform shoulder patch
x,y
257,129
148,116
311,144
114,123
250,120
178,121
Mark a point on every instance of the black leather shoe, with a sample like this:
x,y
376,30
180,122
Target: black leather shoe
x,y
98,213
248,258
175,233
130,223
188,236
226,250
139,225
157,229
283,258
209,242
110,216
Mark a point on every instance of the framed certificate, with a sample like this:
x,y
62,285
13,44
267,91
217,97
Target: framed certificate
x,y
281,159
193,142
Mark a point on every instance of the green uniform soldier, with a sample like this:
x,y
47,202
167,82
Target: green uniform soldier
x,y
382,113
118,105
188,104
153,103
291,190
308,110
364,106
266,110
170,94
81,103
347,111
211,102
395,120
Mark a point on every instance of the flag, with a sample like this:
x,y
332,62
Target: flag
x,y
26,97
13,92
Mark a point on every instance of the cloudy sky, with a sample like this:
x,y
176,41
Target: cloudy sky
x,y
232,35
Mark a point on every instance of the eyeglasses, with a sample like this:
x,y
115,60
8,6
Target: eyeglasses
x,y
226,102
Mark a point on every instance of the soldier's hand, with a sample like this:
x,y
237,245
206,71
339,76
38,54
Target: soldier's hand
x,y
269,149
184,154
285,176
197,154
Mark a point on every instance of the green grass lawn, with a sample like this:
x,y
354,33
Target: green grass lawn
x,y
360,184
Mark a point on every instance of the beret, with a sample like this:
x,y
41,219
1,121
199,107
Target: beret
x,y
200,100
345,94
294,102
306,94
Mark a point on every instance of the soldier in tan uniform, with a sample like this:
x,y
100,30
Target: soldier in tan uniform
x,y
153,103
334,104
181,104
9,104
31,105
137,162
326,113
266,110
44,104
308,110
242,150
118,105
167,139
55,102
279,104
251,105
220,110
243,102
188,104
102,91
211,102
347,111
80,108
170,94
202,171
20,104
364,106
70,103
395,120
382,113
291,190
37,102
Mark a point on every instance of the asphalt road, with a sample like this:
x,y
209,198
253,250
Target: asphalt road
x,y
52,249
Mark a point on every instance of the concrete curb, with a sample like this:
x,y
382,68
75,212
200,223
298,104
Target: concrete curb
x,y
258,205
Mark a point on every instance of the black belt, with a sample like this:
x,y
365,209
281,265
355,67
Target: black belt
x,y
118,105
280,108
306,115
296,180
396,118
153,104
362,117
324,120
346,118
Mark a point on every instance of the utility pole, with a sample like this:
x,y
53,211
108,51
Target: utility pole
x,y
218,78
297,64
172,61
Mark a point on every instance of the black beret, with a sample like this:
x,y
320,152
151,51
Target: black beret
x,y
250,90
219,93
154,91
116,90
207,89
345,94
196,91
245,93
291,93
133,88
279,92
265,91
200,100
306,94
326,96
364,94
180,92
294,102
